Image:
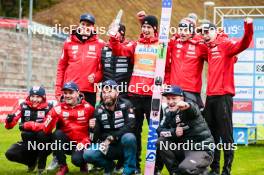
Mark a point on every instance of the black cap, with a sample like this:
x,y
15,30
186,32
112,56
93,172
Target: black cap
x,y
151,20
70,86
37,90
173,90
207,26
110,83
87,17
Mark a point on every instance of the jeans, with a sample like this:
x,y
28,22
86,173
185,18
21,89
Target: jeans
x,y
125,147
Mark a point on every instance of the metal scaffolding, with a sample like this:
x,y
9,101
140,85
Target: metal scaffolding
x,y
236,11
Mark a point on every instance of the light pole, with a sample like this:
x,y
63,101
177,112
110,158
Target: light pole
x,y
207,4
20,15
29,61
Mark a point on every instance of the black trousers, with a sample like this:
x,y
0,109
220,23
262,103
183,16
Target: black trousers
x,y
142,105
90,97
218,115
24,152
183,162
68,148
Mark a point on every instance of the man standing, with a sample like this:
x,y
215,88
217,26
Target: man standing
x,y
118,68
81,59
30,112
144,55
114,126
183,123
185,58
220,88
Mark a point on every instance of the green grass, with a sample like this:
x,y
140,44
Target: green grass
x,y
249,160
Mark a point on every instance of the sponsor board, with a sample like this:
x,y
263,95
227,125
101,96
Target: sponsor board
x,y
242,106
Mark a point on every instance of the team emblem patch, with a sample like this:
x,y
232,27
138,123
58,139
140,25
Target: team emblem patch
x,y
118,114
27,113
41,114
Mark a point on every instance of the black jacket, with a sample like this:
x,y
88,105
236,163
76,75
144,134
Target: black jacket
x,y
195,128
114,123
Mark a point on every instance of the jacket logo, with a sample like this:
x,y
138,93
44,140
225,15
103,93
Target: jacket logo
x,y
100,110
119,125
178,120
91,48
108,54
123,105
80,113
27,113
65,114
75,47
107,126
191,47
41,114
27,118
74,50
118,114
104,117
179,46
131,116
215,49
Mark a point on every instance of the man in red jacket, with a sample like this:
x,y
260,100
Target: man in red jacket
x,y
71,117
220,88
144,55
81,59
32,111
184,63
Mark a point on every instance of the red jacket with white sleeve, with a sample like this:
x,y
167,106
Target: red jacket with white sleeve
x,y
221,60
73,121
184,64
78,61
26,113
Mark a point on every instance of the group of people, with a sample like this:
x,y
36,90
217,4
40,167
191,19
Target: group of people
x,y
108,134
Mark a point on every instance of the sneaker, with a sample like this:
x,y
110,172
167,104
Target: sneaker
x,y
90,167
63,170
95,169
31,168
137,172
53,165
213,173
118,170
84,168
158,172
109,173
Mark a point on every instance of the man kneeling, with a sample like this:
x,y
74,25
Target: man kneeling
x,y
184,137
114,126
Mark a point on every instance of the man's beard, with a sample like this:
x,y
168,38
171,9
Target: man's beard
x,y
110,102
